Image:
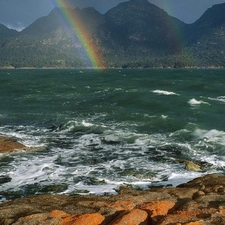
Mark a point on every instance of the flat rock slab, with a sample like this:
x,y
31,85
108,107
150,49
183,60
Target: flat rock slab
x,y
8,145
198,202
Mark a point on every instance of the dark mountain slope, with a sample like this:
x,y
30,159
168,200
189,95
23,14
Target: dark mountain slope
x,y
92,19
213,19
44,25
5,32
207,37
138,23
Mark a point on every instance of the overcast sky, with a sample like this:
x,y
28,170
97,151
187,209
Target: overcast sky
x,y
18,14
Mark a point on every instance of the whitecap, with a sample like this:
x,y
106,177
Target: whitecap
x,y
118,89
177,178
220,99
199,133
164,117
210,134
86,124
161,92
214,137
194,102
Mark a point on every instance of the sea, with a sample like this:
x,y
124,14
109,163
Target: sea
x,y
93,131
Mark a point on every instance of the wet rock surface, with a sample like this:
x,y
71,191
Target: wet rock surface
x,y
8,145
198,202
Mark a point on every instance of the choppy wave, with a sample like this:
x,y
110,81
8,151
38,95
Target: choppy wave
x,y
194,102
161,92
220,99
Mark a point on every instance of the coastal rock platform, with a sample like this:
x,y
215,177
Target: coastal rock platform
x,y
198,202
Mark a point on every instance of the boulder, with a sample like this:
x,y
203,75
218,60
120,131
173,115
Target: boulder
x,y
191,166
133,217
8,145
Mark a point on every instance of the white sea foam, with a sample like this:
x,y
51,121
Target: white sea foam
x,y
194,102
177,178
209,147
220,99
215,160
212,141
213,135
29,135
86,124
32,170
199,133
161,92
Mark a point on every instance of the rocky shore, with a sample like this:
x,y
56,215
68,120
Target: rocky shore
x,y
198,202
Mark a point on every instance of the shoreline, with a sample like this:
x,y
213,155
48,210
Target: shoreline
x,y
105,68
198,202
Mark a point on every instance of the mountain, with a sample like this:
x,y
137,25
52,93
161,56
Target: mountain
x,y
133,34
207,37
142,23
51,42
140,30
44,25
6,32
212,18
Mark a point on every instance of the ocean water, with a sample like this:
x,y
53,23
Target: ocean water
x,y
92,131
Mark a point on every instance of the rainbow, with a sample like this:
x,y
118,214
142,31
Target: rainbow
x,y
91,49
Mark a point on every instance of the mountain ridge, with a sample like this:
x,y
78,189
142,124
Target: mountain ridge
x,y
133,34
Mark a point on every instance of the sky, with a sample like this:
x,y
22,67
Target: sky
x,y
18,14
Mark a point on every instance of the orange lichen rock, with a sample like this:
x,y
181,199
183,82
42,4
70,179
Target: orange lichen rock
x,y
54,217
158,208
194,223
133,217
58,214
57,217
122,205
86,219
